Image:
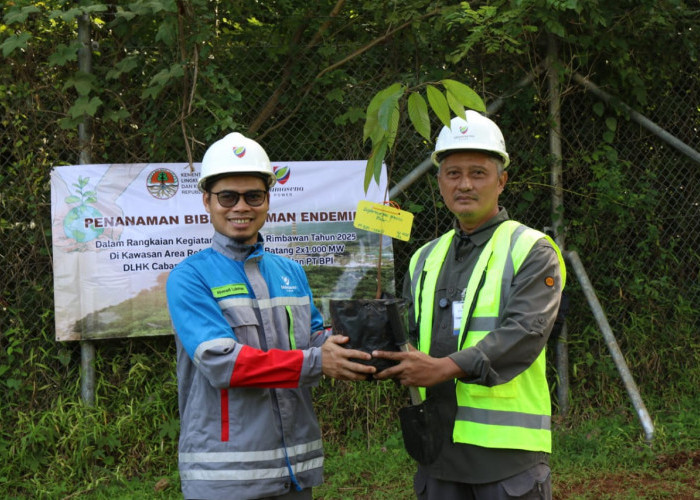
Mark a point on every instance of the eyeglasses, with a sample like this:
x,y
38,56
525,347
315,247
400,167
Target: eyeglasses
x,y
229,199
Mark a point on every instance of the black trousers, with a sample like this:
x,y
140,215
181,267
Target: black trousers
x,y
532,484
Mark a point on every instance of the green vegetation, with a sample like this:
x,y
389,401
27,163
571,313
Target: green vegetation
x,y
126,446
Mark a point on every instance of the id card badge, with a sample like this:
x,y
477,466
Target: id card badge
x,y
457,307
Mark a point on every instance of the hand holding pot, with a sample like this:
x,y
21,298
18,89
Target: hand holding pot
x,y
336,360
417,369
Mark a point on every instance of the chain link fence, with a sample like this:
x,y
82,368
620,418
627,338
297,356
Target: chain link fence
x,y
631,201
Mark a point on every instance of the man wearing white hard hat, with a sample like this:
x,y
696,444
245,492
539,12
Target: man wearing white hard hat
x,y
250,345
483,299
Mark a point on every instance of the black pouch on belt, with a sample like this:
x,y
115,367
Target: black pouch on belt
x,y
420,422
421,439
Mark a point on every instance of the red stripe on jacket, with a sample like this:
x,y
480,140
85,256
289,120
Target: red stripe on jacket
x,y
224,415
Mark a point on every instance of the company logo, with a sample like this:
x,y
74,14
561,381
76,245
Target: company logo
x,y
287,286
162,183
239,151
463,129
282,174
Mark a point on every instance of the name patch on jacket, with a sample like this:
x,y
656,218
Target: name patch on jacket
x,y
232,289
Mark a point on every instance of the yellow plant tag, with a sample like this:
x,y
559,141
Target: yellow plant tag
x,y
384,219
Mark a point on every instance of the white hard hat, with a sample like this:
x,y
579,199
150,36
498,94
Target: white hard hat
x,y
475,133
236,154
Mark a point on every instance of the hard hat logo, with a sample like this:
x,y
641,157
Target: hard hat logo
x,y
463,130
239,151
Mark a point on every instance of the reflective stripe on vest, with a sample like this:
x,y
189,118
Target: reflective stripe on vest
x,y
514,415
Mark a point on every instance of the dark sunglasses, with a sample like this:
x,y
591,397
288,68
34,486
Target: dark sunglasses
x,y
229,199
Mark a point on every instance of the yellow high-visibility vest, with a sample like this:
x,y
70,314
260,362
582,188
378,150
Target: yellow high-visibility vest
x,y
514,415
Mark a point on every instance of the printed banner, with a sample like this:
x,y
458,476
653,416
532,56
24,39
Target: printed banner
x,y
119,229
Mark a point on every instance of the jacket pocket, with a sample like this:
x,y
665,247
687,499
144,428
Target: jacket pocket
x,y
507,390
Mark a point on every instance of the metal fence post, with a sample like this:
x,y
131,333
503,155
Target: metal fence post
x,y
562,351
87,347
600,317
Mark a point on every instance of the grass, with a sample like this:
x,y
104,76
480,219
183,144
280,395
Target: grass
x,y
599,457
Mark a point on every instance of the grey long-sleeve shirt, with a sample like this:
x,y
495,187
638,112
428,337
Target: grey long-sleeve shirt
x,y
504,353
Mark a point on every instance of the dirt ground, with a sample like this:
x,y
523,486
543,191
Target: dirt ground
x,y
676,477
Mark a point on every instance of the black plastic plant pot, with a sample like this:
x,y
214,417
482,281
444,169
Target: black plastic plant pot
x,y
367,322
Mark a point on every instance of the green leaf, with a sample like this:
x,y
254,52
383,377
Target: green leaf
x,y
167,32
611,123
352,115
383,95
464,95
89,9
126,15
386,113
336,95
455,105
85,106
126,65
393,128
439,104
372,127
14,42
64,53
82,81
116,115
418,114
13,383
369,171
373,170
69,123
67,15
162,78
19,16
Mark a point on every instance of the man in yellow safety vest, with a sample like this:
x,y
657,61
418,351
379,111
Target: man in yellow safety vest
x,y
482,302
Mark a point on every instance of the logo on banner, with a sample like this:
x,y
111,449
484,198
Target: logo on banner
x,y
282,174
162,183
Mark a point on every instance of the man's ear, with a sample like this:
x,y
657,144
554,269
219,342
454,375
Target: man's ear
x,y
206,198
502,180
